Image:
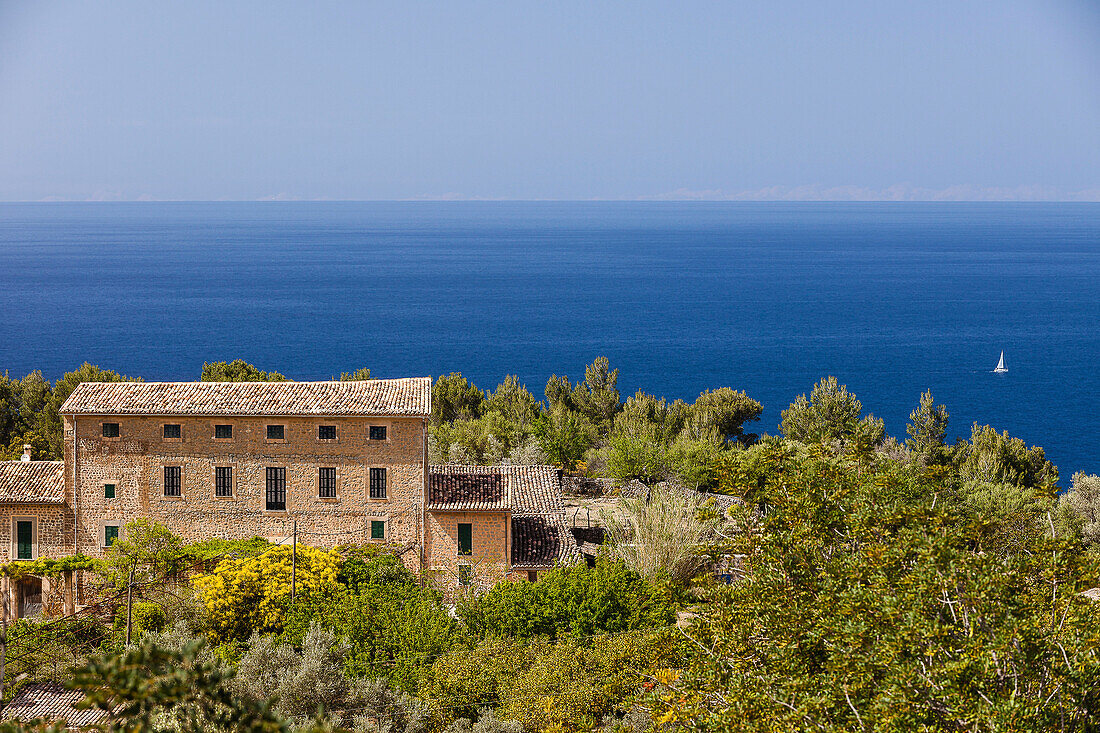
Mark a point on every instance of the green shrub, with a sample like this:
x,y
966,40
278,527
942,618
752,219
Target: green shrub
x,y
571,601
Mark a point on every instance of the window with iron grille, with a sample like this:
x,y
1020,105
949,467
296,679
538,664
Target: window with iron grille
x,y
326,432
276,432
326,482
110,535
110,430
24,536
465,539
172,431
172,480
223,431
377,530
276,489
465,574
378,483
223,481
377,432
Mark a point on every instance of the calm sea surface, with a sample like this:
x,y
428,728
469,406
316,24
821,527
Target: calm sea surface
x,y
891,298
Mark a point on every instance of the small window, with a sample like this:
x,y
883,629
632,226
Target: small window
x,y
378,483
377,530
276,432
108,491
377,432
465,574
172,431
532,575
276,489
223,432
172,481
465,539
110,430
24,537
326,483
326,432
110,535
223,481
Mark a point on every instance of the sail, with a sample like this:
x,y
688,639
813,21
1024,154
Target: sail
x,y
1001,364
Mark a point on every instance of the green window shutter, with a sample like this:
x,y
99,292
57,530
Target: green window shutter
x,y
23,535
377,530
465,539
110,535
108,491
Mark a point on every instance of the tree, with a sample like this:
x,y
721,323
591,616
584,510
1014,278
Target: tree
x,y
359,375
597,397
669,417
1081,505
309,677
146,549
574,601
392,626
830,415
62,389
238,370
513,402
564,436
662,537
453,397
998,458
150,688
636,450
245,595
927,430
724,410
863,614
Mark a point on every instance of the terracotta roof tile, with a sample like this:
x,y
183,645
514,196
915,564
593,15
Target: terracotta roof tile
x,y
411,396
541,541
466,488
540,537
32,482
50,700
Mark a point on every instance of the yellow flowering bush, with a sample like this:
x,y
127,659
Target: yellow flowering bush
x,y
243,595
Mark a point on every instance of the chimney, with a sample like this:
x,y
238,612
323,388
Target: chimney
x,y
26,453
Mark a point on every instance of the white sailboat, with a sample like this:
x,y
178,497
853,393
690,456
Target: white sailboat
x,y
1001,368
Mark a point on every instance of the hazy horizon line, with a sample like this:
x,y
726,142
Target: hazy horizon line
x,y
963,193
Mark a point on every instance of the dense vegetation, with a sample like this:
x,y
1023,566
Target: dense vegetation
x,y
889,586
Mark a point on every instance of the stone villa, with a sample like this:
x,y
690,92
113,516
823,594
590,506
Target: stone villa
x,y
346,462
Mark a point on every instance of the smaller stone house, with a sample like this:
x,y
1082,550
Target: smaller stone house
x,y
36,521
484,524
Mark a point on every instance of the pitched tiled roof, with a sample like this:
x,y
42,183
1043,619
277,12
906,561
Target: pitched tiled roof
x,y
50,700
32,482
541,541
540,537
412,396
467,488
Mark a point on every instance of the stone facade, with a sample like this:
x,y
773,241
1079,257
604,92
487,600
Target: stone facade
x,y
51,530
242,460
134,463
488,561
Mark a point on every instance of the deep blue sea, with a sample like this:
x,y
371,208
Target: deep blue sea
x,y
891,298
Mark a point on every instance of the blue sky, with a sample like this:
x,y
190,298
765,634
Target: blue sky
x,y
966,99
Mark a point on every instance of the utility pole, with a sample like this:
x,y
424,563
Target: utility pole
x,y
129,606
294,564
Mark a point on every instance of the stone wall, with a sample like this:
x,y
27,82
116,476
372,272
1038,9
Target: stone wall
x,y
134,462
52,529
491,546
